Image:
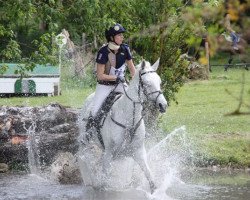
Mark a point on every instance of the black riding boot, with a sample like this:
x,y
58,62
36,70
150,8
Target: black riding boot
x,y
90,127
90,123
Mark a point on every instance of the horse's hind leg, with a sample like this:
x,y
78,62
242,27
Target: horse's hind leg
x,y
141,158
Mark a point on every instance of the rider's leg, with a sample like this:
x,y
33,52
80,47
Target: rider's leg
x,y
235,40
229,62
101,93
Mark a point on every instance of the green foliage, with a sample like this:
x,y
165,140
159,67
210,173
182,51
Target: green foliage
x,y
20,37
12,51
34,24
3,69
155,29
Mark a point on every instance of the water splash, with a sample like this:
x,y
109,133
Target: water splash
x,y
90,162
33,146
165,159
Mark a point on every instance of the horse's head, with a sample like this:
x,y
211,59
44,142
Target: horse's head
x,y
150,82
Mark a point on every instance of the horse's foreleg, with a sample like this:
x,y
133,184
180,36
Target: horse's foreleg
x,y
106,168
141,158
107,158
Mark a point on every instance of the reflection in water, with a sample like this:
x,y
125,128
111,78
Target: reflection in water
x,y
197,186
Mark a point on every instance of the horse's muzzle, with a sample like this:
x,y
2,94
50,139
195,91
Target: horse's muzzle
x,y
162,108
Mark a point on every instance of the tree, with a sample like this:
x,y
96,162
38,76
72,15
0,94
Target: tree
x,y
159,28
23,36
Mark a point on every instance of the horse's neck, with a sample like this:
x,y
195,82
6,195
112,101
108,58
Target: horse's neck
x,y
129,111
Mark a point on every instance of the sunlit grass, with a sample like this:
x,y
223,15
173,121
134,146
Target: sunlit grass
x,y
218,178
203,107
69,98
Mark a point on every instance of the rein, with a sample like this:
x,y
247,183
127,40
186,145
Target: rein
x,y
132,129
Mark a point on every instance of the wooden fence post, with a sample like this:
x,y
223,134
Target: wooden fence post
x,y
207,57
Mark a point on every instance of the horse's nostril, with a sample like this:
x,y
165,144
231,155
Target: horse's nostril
x,y
162,108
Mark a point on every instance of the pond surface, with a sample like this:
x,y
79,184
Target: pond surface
x,y
196,185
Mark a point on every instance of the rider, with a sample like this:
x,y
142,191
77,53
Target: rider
x,y
111,60
234,37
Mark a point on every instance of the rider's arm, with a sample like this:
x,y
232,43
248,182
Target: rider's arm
x,y
131,67
101,76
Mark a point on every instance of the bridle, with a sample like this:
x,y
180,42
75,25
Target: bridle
x,y
132,129
144,89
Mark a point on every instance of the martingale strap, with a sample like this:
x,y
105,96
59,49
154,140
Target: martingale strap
x,y
131,129
125,92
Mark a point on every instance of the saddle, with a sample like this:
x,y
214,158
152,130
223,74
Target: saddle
x,y
98,121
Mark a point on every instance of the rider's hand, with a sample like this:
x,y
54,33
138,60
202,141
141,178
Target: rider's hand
x,y
120,79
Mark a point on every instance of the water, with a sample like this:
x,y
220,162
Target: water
x,y
167,160
205,185
33,148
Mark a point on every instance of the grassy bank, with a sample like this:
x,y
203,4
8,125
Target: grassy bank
x,y
203,106
70,98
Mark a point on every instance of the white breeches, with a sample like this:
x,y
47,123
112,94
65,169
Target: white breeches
x,y
102,92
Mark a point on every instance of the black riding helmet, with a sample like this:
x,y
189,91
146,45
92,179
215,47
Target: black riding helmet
x,y
114,30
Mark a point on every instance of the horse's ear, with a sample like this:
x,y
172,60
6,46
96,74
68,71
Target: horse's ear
x,y
143,64
156,64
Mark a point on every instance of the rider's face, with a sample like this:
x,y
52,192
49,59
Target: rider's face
x,y
118,38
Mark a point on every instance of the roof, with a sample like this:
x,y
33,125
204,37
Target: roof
x,y
38,71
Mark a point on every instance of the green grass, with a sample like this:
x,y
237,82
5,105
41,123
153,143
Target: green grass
x,y
203,107
220,178
69,98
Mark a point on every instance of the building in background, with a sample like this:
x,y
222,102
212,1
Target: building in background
x,y
43,80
